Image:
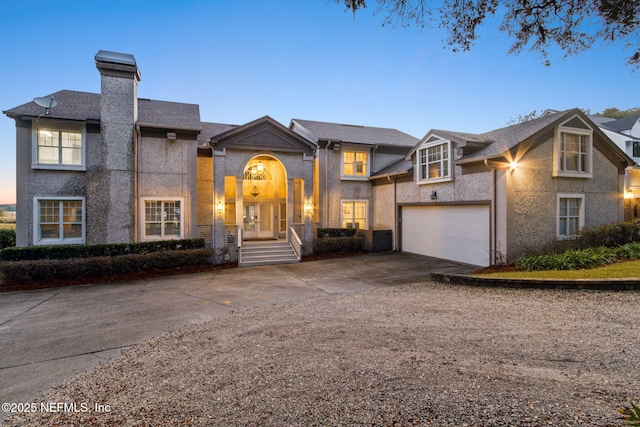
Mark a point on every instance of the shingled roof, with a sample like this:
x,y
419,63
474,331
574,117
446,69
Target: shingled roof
x,y
85,106
325,131
621,125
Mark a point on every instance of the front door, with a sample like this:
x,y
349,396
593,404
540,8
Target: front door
x,y
258,220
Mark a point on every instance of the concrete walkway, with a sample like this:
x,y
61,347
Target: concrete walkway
x,y
47,336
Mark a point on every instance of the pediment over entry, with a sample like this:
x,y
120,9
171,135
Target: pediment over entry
x,y
264,134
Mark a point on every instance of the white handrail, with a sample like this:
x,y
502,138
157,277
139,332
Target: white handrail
x,y
295,242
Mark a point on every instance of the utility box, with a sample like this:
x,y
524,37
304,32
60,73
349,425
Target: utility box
x,y
377,240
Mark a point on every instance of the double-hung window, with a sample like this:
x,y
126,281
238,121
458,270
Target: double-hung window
x,y
59,221
354,214
573,151
162,219
434,161
355,163
58,149
570,215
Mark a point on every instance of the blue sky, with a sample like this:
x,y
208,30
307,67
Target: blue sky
x,y
308,59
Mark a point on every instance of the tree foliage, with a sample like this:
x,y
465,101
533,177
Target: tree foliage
x,y
615,113
572,25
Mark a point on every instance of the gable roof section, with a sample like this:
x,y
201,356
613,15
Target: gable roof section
x,y
336,132
401,167
523,136
263,134
85,106
211,130
462,140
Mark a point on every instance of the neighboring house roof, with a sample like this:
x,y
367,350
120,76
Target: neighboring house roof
x,y
621,125
83,106
337,132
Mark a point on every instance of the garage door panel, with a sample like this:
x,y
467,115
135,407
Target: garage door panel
x,y
459,233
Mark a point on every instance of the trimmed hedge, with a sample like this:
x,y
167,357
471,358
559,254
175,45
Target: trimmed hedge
x,y
337,244
90,251
17,272
7,238
323,233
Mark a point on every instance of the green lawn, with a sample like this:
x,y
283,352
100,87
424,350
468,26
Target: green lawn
x,y
9,225
619,270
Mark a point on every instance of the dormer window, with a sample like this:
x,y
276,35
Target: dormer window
x,y
434,161
573,150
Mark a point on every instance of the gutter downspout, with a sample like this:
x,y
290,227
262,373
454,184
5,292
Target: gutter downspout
x,y
137,230
395,215
494,208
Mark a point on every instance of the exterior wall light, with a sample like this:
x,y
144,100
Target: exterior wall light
x,y
219,208
434,195
628,194
308,209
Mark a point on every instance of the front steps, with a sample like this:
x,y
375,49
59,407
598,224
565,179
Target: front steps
x,y
266,253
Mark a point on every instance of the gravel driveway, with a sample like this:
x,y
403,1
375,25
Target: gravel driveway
x,y
423,354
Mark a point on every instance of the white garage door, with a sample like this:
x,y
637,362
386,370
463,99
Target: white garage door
x,y
458,233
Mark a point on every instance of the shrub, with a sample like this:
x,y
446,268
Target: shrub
x,y
337,244
570,260
88,251
610,234
336,232
16,272
7,238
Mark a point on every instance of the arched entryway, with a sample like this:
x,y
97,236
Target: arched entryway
x,y
264,198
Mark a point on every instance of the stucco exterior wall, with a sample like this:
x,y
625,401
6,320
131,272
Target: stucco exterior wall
x,y
532,219
53,182
339,189
383,217
167,169
204,190
463,188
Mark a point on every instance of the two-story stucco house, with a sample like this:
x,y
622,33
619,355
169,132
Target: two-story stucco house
x,y
110,167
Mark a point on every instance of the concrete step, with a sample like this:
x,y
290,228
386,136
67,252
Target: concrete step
x,y
266,253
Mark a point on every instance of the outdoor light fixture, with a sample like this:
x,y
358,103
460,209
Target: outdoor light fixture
x,y
260,167
255,192
512,166
434,195
628,194
308,208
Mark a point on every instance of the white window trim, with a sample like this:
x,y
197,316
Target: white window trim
x,y
366,211
355,148
142,209
580,219
37,241
57,127
418,168
556,152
